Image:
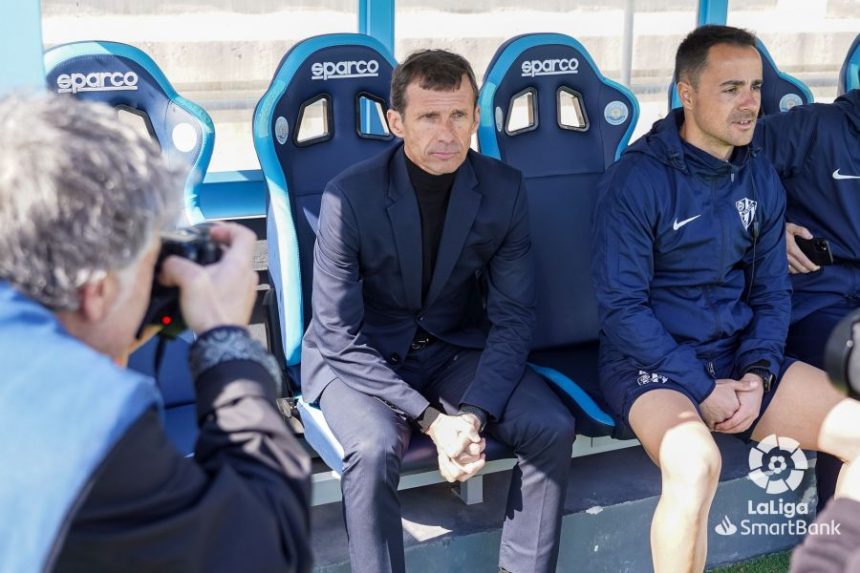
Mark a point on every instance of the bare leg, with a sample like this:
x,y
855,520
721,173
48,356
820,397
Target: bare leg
x,y
808,409
678,441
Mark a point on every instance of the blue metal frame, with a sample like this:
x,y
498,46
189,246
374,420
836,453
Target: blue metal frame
x,y
712,12
487,128
376,18
21,46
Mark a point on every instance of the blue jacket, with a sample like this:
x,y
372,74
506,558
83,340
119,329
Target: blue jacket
x,y
62,409
367,303
674,252
816,150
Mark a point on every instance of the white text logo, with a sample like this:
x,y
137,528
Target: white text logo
x,y
345,69
96,82
551,67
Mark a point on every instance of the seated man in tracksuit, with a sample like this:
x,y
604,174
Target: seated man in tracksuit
x,y
694,297
89,481
816,151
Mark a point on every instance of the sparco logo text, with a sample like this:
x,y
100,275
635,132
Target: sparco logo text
x,y
344,69
96,82
550,67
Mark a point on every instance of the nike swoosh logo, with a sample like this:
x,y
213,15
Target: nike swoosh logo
x,y
838,176
678,224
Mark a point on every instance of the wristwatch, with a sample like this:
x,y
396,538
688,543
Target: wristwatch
x,y
767,376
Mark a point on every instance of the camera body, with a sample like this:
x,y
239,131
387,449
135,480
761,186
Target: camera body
x,y
840,358
194,244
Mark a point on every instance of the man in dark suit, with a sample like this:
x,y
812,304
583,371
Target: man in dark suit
x,y
423,312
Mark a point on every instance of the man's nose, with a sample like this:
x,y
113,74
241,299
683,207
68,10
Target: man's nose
x,y
751,100
446,132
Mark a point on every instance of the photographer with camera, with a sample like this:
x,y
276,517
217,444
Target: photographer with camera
x,y
837,551
89,479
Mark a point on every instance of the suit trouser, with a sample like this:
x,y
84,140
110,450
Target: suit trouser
x,y
806,340
535,425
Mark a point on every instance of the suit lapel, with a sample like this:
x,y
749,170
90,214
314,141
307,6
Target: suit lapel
x,y
462,209
406,225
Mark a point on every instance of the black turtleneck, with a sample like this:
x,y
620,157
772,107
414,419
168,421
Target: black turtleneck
x,y
433,192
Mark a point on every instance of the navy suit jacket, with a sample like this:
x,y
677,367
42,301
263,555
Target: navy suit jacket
x,y
366,297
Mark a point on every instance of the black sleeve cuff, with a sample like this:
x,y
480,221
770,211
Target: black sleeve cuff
x,y
479,413
229,382
427,417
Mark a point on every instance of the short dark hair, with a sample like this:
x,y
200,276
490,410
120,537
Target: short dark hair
x,y
435,70
692,55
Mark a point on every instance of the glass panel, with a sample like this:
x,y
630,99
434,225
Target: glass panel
x,y
571,113
313,121
220,54
521,113
807,39
477,29
371,118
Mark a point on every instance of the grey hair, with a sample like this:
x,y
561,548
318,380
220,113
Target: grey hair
x,y
80,194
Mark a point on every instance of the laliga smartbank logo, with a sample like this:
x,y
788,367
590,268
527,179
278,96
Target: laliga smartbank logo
x,y
777,465
76,82
344,69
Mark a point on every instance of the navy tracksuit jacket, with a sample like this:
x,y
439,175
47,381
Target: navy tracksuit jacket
x,y
816,150
677,235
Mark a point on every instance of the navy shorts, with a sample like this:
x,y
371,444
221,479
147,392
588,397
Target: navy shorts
x,y
621,388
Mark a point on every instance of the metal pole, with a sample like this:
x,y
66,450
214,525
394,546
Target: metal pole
x,y
627,46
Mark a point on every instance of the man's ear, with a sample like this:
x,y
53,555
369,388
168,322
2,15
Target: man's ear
x,y
477,119
395,122
97,297
686,94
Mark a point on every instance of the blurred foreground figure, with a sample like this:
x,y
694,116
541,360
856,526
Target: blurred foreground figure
x,y
89,479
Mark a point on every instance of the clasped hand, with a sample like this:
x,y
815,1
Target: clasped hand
x,y
459,446
734,404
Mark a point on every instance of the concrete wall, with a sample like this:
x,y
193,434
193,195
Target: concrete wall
x,y
222,53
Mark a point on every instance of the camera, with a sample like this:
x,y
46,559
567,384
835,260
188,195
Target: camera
x,y
840,359
194,244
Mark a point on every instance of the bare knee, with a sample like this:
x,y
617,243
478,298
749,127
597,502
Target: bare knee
x,y
690,461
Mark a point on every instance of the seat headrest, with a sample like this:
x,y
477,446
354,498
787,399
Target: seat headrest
x,y
779,92
337,86
323,112
124,77
547,110
849,75
544,92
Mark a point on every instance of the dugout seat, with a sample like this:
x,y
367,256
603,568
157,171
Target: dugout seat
x,y
548,111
